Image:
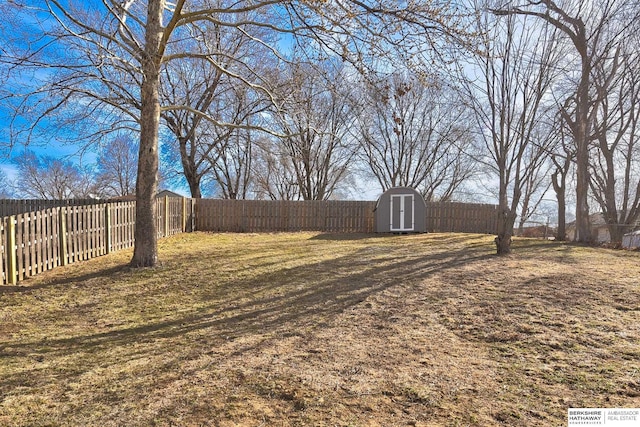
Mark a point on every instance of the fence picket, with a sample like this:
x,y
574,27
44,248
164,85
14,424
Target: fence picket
x,y
77,241
38,238
3,251
19,247
12,263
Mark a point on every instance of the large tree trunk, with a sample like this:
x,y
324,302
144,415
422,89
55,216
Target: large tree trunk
x,y
558,179
523,217
616,231
190,169
194,188
506,216
506,219
145,253
583,224
581,135
615,220
611,215
561,233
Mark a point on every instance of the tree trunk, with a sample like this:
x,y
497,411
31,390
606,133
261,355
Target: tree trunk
x,y
193,179
610,210
523,215
194,188
561,233
616,232
506,219
558,179
581,135
145,253
583,224
190,168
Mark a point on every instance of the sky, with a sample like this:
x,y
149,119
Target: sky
x,y
58,149
367,190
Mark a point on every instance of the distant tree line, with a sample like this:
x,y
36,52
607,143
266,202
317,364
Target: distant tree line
x,y
327,130
44,176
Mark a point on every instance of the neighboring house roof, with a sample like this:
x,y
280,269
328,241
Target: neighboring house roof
x,y
168,193
595,219
598,225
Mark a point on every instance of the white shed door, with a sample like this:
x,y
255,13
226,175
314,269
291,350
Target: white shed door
x,y
402,212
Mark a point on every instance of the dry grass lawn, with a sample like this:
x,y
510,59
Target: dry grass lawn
x,y
324,330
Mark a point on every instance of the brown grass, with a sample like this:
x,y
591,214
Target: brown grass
x,y
324,330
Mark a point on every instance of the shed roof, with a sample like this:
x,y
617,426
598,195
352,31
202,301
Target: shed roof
x,y
396,190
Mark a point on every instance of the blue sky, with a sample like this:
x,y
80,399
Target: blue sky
x,y
72,152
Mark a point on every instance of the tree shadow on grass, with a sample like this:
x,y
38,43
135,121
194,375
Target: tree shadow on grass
x,y
433,237
243,314
57,281
285,301
348,236
297,294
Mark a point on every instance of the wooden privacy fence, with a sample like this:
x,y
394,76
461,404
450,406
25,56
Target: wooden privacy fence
x,y
17,206
60,234
332,216
443,217
33,242
284,215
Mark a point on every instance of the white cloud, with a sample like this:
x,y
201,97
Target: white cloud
x,y
10,170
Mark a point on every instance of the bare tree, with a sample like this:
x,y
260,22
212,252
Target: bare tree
x,y
231,154
314,118
102,62
415,135
6,186
562,157
200,87
46,177
232,165
273,174
615,165
192,84
117,165
507,95
535,185
594,29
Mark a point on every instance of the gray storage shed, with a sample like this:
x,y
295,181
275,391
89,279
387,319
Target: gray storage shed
x,y
401,210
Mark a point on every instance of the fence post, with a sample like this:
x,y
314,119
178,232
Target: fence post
x,y
193,214
184,215
11,255
166,216
62,228
107,227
